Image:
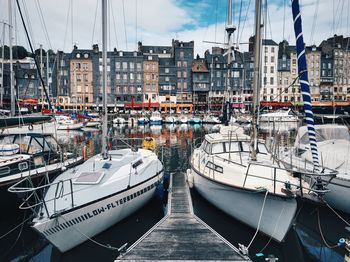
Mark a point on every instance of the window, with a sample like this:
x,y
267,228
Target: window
x,y
117,76
178,63
232,147
272,59
166,79
184,73
4,171
178,73
125,65
131,65
217,148
22,166
272,70
184,63
271,81
138,66
167,70
182,54
272,49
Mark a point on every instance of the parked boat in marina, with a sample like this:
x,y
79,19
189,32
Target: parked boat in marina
x,y
183,119
222,170
156,118
210,119
142,120
119,121
108,187
279,116
333,144
195,120
170,120
32,155
67,123
242,179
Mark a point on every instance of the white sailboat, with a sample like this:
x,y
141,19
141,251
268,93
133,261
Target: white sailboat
x,y
241,178
279,116
156,118
333,143
82,202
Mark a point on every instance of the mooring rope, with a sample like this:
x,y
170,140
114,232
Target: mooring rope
x,y
108,246
321,233
261,212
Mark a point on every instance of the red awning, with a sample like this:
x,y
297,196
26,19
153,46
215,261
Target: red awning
x,y
141,105
276,104
240,105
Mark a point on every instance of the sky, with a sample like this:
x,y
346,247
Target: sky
x,y
58,25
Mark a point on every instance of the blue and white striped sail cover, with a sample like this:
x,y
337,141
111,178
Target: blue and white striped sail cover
x,y
304,83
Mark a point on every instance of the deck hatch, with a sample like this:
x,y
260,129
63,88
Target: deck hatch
x,y
89,178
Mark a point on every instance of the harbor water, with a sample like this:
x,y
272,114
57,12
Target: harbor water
x,y
312,237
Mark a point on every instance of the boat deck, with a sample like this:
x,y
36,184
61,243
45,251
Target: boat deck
x,y
181,235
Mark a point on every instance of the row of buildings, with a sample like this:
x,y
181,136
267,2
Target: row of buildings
x,y
165,77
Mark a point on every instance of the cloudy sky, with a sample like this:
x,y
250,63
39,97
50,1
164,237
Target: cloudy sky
x,y
156,22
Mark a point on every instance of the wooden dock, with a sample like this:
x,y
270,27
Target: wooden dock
x,y
181,235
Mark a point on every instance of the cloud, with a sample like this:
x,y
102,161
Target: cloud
x,y
156,22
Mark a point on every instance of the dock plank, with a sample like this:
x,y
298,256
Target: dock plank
x,y
181,235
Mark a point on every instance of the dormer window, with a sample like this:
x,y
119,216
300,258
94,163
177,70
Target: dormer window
x,y
120,53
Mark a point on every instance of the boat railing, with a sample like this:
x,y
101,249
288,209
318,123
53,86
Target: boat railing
x,y
35,195
287,186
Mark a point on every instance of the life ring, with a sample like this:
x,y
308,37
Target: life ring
x,y
30,127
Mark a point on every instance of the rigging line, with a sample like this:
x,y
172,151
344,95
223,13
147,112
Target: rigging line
x,y
71,19
94,26
239,22
314,20
35,60
66,30
268,19
114,25
44,25
245,19
340,21
28,23
126,39
284,18
109,26
216,18
136,21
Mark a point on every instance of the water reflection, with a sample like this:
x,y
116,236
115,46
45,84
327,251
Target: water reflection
x,y
174,146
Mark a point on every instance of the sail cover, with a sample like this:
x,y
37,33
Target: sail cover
x,y
304,83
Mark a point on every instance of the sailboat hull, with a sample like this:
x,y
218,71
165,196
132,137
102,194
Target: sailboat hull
x,y
246,206
83,223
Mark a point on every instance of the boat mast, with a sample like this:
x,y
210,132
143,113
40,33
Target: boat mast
x,y
2,66
41,72
11,62
304,83
104,152
256,78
